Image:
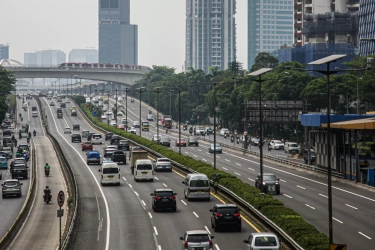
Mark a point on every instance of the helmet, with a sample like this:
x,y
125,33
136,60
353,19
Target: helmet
x,y
46,164
47,187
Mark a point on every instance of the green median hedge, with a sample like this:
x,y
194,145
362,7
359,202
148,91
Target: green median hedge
x,y
306,235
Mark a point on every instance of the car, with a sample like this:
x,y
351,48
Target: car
x,y
7,132
93,157
35,114
119,156
291,147
108,136
197,239
163,198
109,113
276,144
306,156
19,170
67,101
76,127
108,153
136,124
133,130
124,122
121,126
259,241
224,131
212,148
3,162
115,140
7,151
104,109
76,138
165,141
103,117
109,173
49,98
271,184
123,145
113,123
67,130
163,164
156,138
62,105
255,142
12,187
192,140
114,147
226,216
132,100
182,142
87,145
208,130
52,104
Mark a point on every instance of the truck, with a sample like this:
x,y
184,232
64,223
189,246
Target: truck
x,y
59,113
136,154
166,121
105,99
145,126
73,111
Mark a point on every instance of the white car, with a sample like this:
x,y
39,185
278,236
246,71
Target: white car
x,y
109,113
67,130
104,109
224,131
133,130
35,114
155,138
113,123
276,144
119,114
67,101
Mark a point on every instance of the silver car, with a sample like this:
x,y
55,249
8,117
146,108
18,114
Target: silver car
x,y
197,239
12,187
258,241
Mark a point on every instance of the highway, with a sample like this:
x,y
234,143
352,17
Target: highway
x,y
132,224
41,229
353,216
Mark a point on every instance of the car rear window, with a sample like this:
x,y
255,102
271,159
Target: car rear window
x,y
198,183
227,210
97,136
265,241
164,193
293,145
94,155
110,170
119,153
144,167
11,183
196,238
88,143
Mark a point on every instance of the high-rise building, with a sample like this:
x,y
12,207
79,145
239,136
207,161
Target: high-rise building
x,y
367,27
210,34
118,39
270,25
44,58
4,51
83,55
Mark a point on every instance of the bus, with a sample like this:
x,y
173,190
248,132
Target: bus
x,y
145,126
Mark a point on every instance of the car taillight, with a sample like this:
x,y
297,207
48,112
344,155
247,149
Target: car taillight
x,y
186,245
157,197
172,197
210,243
218,215
237,214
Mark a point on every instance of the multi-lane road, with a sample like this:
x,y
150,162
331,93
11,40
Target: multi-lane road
x,y
353,216
121,217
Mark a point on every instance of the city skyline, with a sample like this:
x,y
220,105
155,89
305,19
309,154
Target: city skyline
x,y
161,34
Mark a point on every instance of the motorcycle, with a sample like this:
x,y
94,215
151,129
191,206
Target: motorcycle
x,y
238,140
47,197
20,136
28,140
34,133
46,172
232,139
225,136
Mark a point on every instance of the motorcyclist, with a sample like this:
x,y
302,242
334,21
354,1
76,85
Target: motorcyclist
x,y
47,167
29,134
231,138
34,132
47,191
166,131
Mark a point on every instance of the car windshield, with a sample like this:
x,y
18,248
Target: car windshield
x,y
19,161
278,142
193,139
265,241
88,143
269,178
217,145
3,159
197,238
118,153
110,170
227,210
164,193
293,145
144,167
199,183
11,183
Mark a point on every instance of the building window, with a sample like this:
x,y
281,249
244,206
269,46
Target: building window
x,y
298,38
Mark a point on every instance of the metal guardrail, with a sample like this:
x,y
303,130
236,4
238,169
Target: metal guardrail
x,y
70,232
285,237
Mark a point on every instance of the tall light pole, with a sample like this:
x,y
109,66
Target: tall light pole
x,y
157,91
126,107
179,119
140,90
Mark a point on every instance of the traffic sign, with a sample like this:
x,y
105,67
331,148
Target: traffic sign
x,y
60,213
61,198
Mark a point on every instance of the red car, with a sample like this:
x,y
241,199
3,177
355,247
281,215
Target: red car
x,y
87,145
182,142
121,126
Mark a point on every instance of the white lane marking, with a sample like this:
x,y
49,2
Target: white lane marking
x,y
237,173
156,231
337,220
250,179
156,178
323,195
207,153
212,163
159,247
351,206
184,202
300,187
282,180
251,169
149,214
218,157
144,204
164,185
227,160
130,185
364,235
207,229
238,164
224,168
199,150
310,206
136,193
217,247
288,196
195,156
100,226
186,153
96,181
124,178
204,160
195,214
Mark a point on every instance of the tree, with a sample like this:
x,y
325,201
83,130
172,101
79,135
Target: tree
x,y
7,84
264,60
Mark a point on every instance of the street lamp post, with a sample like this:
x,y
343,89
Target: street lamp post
x,y
179,119
126,107
140,90
157,91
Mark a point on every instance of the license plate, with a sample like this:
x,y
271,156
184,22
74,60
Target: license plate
x,y
197,248
110,176
228,217
164,200
271,189
144,173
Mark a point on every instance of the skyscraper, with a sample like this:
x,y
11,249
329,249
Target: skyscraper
x,y
270,25
83,55
367,27
118,39
210,34
44,58
4,51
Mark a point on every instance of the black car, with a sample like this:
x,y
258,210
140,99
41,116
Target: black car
x,y
108,153
7,141
76,127
118,156
24,147
108,136
226,216
62,105
271,184
19,170
7,132
164,199
76,138
306,156
192,140
165,141
115,140
123,145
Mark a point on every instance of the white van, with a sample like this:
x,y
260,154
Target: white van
x,y
35,114
150,117
109,173
97,139
197,186
143,170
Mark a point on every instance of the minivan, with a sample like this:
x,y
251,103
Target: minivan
x,y
197,186
97,139
290,147
143,170
110,174
93,157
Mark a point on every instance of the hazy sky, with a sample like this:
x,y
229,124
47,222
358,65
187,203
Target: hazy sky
x,y
29,25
